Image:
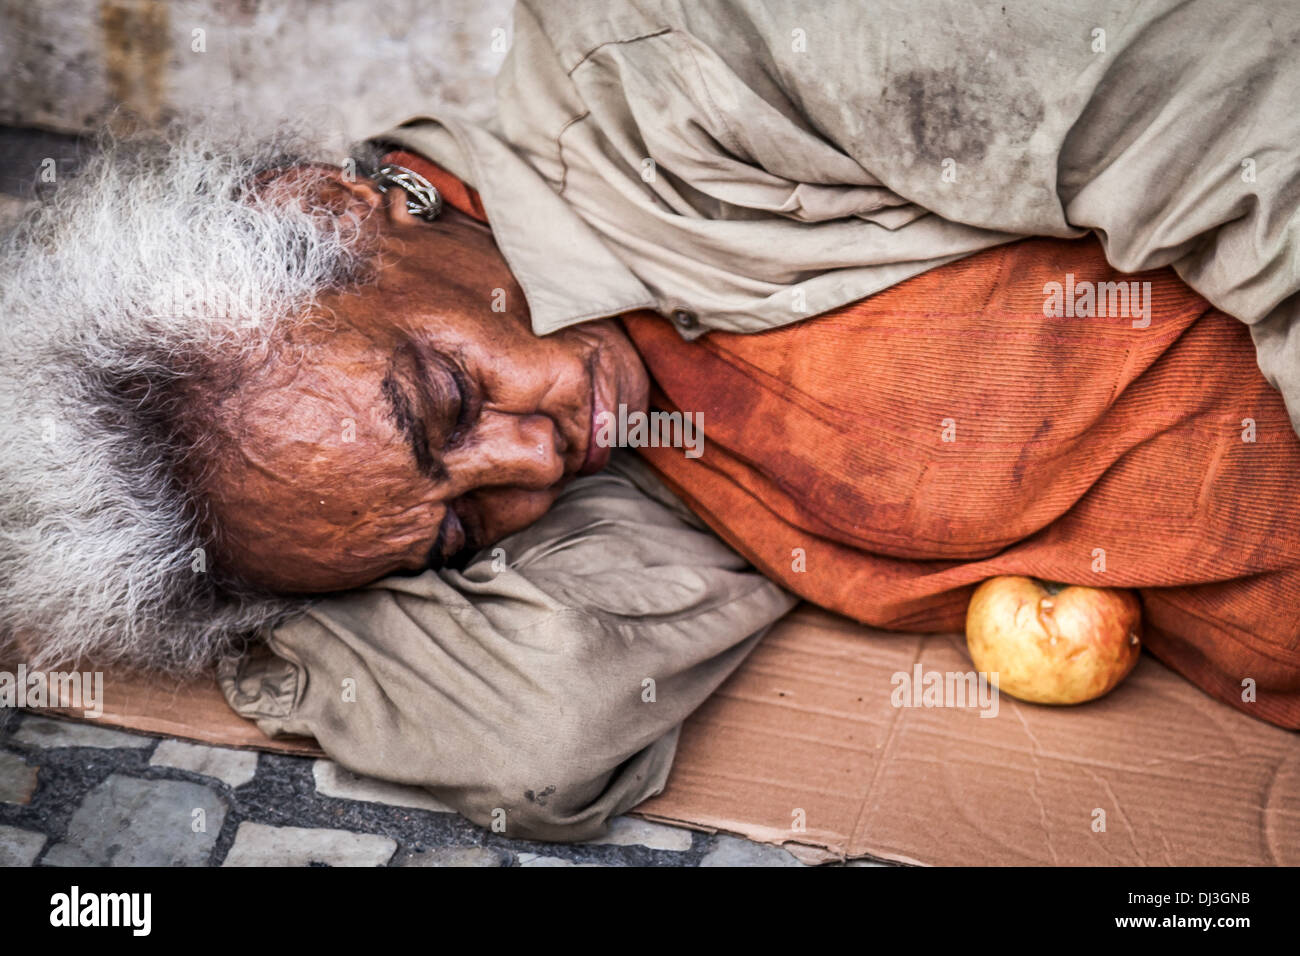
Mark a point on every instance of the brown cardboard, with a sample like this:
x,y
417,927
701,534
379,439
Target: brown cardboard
x,y
194,710
807,724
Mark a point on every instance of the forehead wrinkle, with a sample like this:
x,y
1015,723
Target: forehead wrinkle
x,y
403,415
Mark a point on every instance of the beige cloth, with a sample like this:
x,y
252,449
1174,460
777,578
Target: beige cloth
x,y
544,686
743,165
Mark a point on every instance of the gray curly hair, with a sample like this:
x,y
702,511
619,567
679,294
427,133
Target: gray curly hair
x,y
162,265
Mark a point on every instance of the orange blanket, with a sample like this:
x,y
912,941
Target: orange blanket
x,y
882,459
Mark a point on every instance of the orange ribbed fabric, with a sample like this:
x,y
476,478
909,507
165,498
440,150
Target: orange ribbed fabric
x,y
944,431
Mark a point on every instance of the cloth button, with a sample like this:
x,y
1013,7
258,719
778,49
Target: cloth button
x,y
686,319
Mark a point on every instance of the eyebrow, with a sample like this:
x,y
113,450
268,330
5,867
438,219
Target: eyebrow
x,y
412,425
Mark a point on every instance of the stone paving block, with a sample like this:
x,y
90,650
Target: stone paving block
x,y
454,856
631,831
19,847
127,821
232,767
735,851
333,780
537,859
257,844
17,779
48,732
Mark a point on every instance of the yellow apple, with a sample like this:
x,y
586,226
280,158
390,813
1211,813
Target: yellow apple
x,y
1051,643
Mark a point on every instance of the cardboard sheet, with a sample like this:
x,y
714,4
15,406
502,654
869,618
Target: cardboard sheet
x,y
805,747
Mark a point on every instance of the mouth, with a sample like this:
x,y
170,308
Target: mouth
x,y
597,454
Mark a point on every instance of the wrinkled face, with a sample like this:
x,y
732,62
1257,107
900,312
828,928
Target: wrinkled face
x,y
424,418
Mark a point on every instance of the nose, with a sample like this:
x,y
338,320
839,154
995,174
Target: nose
x,y
506,450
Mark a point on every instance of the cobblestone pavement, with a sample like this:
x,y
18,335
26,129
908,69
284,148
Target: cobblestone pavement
x,y
76,794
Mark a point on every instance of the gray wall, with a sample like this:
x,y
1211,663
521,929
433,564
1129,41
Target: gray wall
x,y
346,67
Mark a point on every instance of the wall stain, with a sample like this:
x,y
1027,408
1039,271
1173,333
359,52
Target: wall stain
x,y
136,40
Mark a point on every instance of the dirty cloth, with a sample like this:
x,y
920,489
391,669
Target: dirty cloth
x,y
744,165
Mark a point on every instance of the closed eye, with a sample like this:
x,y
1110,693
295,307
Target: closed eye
x,y
448,396
437,399
465,407
410,422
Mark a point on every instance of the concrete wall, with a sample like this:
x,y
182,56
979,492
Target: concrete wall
x,y
347,67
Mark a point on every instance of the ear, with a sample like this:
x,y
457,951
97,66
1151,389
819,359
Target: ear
x,y
340,190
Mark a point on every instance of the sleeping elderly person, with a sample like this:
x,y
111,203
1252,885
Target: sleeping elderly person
x,y
946,304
